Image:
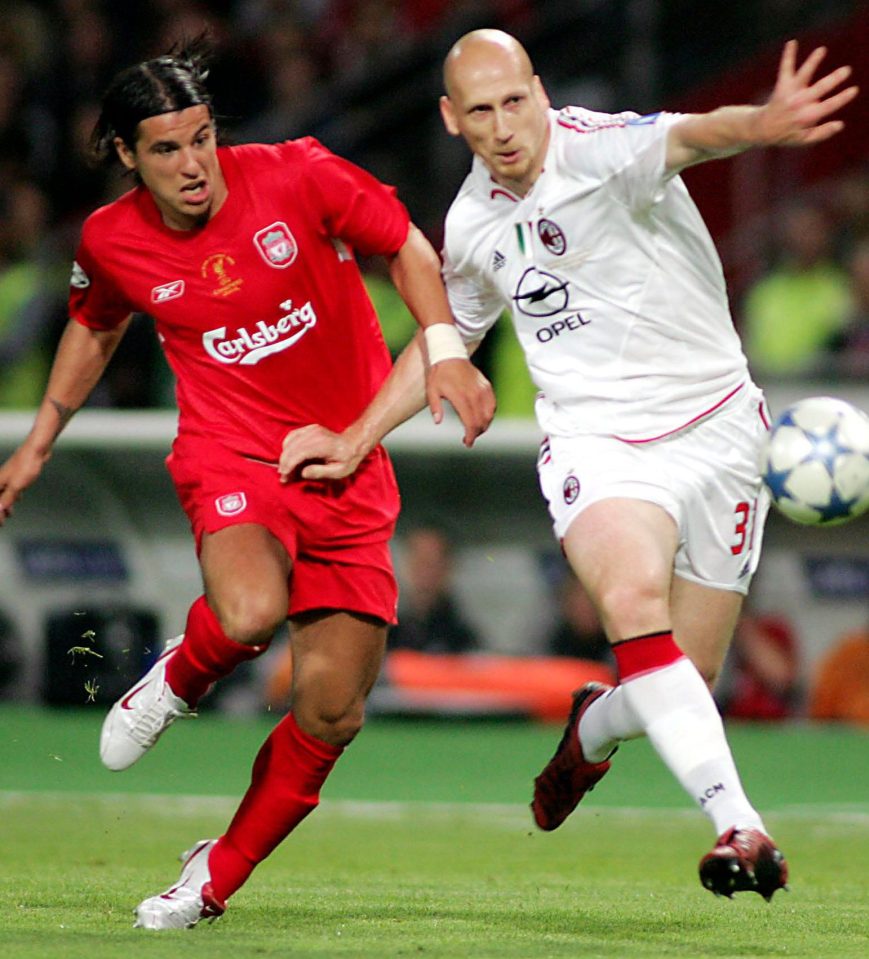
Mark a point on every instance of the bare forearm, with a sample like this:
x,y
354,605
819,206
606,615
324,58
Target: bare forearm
x,y
81,358
720,133
401,397
79,362
322,454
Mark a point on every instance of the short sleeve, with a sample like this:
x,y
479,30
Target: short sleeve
x,y
94,301
355,206
626,150
474,307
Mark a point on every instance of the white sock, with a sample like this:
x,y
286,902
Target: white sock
x,y
608,721
675,709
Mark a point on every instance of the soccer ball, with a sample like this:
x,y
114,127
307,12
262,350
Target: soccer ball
x,y
816,462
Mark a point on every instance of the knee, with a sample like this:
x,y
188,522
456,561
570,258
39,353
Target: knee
x,y
634,608
251,620
333,724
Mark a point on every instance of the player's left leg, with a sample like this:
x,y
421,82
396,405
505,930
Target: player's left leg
x,y
744,857
336,658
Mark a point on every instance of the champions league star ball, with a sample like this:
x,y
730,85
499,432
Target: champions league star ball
x,y
816,462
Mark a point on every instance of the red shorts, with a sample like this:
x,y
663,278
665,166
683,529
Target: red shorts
x,y
336,532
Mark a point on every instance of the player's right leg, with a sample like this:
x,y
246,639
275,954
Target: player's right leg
x,y
623,551
245,570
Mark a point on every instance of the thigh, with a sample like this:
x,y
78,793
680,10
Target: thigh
x,y
336,659
704,619
622,550
246,570
577,472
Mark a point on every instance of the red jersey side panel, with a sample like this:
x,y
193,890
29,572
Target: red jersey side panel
x,y
262,313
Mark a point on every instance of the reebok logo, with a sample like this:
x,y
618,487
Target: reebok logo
x,y
248,347
167,291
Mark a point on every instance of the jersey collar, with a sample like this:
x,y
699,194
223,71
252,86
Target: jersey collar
x,y
486,184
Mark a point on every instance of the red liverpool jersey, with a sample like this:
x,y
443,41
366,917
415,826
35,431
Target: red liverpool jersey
x,y
262,313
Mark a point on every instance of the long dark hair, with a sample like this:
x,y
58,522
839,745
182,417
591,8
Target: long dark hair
x,y
165,84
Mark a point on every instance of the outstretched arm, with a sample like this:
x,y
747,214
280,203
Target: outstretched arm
x,y
81,358
797,114
323,454
434,366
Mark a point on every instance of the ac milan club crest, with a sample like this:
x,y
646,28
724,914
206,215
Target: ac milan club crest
x,y
277,245
552,236
570,489
231,504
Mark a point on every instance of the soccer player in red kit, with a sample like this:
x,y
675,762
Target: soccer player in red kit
x,y
244,257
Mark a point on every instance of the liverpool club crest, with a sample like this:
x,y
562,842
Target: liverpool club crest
x,y
277,245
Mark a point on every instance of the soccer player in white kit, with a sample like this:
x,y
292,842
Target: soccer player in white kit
x,y
579,223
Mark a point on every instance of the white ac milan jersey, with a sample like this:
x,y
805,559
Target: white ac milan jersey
x,y
612,279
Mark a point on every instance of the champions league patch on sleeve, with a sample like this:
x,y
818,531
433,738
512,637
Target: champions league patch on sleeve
x,y
79,279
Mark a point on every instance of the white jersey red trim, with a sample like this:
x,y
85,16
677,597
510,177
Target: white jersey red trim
x,y
613,282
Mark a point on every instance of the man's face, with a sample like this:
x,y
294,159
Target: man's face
x,y
501,111
175,156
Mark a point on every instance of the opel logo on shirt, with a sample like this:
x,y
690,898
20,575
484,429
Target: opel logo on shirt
x,y
540,293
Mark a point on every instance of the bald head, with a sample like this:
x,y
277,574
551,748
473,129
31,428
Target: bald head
x,y
495,101
484,51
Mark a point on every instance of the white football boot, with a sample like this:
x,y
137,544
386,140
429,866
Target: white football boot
x,y
140,716
181,906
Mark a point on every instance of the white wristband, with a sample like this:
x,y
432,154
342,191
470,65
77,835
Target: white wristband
x,y
444,342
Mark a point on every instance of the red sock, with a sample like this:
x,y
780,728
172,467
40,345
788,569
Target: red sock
x,y
642,654
285,786
205,656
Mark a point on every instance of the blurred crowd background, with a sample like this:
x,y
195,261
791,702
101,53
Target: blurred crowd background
x,y
364,76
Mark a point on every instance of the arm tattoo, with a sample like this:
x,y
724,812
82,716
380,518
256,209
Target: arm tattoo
x,y
64,413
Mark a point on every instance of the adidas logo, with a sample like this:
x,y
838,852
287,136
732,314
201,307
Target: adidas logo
x,y
498,260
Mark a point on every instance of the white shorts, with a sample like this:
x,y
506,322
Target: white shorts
x,y
707,477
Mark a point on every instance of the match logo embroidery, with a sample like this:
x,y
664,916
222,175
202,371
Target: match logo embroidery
x,y
277,245
571,489
231,504
218,265
167,291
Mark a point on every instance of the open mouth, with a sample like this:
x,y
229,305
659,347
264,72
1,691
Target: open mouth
x,y
510,157
196,192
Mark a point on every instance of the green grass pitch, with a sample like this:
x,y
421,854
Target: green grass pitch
x,y
424,847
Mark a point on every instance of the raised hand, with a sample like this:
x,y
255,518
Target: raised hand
x,y
797,112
